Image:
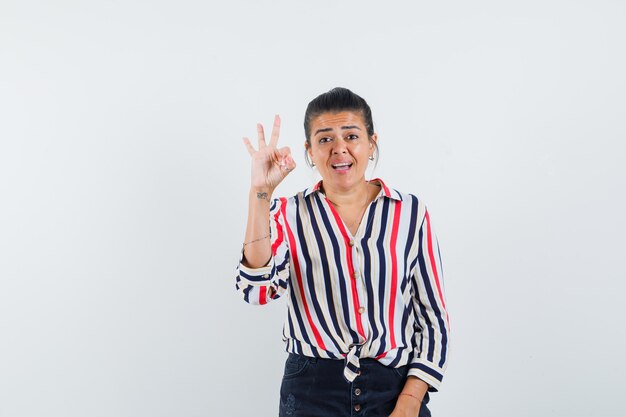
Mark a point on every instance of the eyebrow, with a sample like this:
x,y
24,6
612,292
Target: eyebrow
x,y
329,129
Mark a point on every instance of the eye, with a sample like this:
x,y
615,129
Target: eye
x,y
352,137
325,139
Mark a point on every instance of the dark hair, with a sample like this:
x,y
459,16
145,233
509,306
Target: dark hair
x,y
334,101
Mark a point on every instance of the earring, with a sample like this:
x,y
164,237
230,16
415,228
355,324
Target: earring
x,y
371,158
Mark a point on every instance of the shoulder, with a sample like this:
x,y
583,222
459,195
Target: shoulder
x,y
397,195
409,198
411,205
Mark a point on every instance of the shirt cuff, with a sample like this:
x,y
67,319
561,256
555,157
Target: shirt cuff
x,y
257,276
428,373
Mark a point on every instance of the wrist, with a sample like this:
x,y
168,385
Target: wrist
x,y
408,404
261,194
415,397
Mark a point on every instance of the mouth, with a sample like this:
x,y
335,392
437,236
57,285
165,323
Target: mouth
x,y
342,166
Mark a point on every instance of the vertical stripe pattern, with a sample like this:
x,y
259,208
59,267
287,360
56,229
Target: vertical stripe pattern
x,y
376,294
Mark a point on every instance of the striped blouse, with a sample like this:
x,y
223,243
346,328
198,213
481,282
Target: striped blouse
x,y
376,294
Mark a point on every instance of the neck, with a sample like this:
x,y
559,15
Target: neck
x,y
345,197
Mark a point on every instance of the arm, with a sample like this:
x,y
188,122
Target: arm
x,y
432,326
431,338
257,272
270,166
257,246
410,399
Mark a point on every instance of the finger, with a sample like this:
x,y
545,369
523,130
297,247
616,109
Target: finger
x,y
275,131
285,150
290,164
261,135
281,155
284,160
249,146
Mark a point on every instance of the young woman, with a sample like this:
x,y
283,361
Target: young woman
x,y
367,328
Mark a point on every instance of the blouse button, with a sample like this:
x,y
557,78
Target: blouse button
x,y
356,274
361,310
357,408
351,243
357,392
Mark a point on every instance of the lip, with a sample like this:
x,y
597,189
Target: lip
x,y
343,166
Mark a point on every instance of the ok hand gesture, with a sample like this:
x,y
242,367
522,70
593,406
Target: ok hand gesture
x,y
270,165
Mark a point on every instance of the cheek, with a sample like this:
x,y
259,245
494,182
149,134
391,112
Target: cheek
x,y
360,148
317,151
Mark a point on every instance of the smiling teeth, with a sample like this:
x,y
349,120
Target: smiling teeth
x,y
343,164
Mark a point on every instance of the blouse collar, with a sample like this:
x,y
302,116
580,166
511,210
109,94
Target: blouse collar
x,y
387,192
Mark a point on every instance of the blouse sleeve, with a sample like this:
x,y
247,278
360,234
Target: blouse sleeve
x,y
261,285
432,328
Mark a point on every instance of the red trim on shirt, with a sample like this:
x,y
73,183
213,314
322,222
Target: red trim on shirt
x,y
348,248
394,271
279,229
433,264
262,295
382,184
296,268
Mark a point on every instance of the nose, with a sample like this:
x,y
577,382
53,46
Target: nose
x,y
339,147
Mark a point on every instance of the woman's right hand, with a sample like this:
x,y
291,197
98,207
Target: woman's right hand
x,y
270,165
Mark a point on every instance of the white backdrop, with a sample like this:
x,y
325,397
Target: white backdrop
x,y
123,189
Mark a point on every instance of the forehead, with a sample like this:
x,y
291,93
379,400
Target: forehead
x,y
337,120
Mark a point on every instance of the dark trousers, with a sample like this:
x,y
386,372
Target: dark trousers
x,y
314,387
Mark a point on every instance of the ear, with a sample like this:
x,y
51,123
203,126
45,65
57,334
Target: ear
x,y
307,148
373,145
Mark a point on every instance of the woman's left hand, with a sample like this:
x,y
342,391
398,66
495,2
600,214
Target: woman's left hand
x,y
405,411
409,401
